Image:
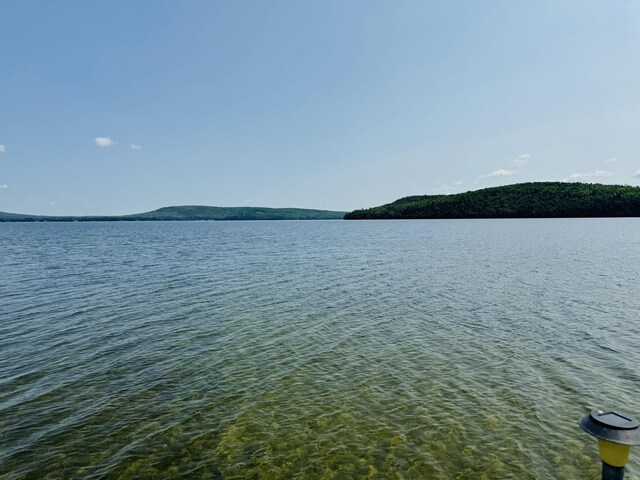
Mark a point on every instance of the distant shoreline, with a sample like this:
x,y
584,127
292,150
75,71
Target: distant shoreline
x,y
524,200
189,213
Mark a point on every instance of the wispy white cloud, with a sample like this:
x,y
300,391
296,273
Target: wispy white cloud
x,y
447,188
135,146
588,177
3,186
501,172
637,174
3,148
520,160
443,189
104,142
612,160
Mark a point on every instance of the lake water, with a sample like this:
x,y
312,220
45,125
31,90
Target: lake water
x,y
453,349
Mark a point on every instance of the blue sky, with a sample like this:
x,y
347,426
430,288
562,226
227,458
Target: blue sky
x,y
127,106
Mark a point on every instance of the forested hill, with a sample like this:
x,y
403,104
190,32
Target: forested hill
x,y
192,212
539,199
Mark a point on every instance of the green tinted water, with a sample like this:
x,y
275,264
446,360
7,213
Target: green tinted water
x,y
446,349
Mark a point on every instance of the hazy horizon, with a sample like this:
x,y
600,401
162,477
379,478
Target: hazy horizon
x,y
247,206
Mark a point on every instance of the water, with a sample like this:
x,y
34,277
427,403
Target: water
x,y
409,350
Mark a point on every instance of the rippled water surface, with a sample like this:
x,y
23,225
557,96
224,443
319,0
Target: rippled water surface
x,y
328,349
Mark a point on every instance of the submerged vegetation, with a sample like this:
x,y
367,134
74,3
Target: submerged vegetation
x,y
524,200
191,212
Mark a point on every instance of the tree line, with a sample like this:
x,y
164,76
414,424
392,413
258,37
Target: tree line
x,y
524,200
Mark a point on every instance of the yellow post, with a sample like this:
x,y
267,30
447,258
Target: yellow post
x,y
616,432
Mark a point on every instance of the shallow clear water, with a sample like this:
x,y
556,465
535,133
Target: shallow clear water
x,y
330,349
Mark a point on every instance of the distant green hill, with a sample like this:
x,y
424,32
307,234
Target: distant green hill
x,y
15,217
539,199
191,212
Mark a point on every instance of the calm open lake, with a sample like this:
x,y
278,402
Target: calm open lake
x,y
452,349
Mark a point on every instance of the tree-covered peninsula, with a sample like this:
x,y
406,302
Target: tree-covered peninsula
x,y
524,200
191,212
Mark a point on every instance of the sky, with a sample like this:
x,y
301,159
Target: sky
x,y
120,107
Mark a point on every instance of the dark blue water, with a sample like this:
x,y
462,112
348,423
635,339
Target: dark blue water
x,y
329,349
